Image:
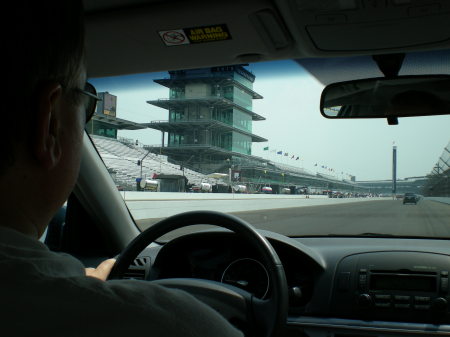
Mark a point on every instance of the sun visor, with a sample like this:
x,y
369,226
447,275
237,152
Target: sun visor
x,y
343,27
412,32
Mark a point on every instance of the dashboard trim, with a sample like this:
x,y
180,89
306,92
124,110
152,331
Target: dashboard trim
x,y
416,329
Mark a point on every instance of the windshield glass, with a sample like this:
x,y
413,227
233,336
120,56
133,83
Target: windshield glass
x,y
249,140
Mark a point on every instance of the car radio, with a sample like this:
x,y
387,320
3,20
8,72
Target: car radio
x,y
400,286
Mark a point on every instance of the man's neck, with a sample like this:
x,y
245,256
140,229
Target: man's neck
x,y
17,210
19,223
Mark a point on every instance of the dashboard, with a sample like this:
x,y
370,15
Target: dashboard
x,y
337,286
225,257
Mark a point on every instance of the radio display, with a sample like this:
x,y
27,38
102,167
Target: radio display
x,y
402,282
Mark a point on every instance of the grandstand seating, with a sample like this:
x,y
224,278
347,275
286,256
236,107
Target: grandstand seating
x,y
121,159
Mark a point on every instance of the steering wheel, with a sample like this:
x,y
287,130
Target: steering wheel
x,y
260,317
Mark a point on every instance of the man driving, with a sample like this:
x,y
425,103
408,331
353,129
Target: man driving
x,y
46,105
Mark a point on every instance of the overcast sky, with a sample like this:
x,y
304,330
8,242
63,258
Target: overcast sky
x,y
294,125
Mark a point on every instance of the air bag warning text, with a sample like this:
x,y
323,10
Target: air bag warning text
x,y
207,33
193,35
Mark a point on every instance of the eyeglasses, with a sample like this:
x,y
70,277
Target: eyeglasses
x,y
91,93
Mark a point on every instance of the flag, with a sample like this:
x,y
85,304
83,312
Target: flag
x,y
266,148
280,152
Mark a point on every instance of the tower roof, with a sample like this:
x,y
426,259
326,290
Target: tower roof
x,y
215,80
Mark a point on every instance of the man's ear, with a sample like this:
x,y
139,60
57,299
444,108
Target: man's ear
x,y
46,144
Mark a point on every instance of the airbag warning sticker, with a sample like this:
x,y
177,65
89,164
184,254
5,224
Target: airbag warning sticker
x,y
193,35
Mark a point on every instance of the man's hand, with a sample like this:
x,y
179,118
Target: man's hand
x,y
102,271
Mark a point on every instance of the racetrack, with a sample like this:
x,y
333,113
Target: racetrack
x,y
387,217
391,217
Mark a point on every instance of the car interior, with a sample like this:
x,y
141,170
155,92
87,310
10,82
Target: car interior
x,y
334,286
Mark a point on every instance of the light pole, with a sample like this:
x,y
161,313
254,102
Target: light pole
x,y
142,161
394,171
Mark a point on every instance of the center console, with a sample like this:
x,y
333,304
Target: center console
x,y
393,286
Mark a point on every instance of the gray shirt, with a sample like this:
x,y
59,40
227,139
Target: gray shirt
x,y
43,293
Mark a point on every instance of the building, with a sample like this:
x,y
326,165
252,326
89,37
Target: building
x,y
210,129
105,122
210,118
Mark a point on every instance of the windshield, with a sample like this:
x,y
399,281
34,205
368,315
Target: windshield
x,y
249,140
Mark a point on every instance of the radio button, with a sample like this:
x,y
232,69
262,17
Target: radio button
x,y
422,299
402,305
402,298
383,304
362,281
444,284
383,297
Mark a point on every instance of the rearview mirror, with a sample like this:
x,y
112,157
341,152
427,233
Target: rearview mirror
x,y
402,96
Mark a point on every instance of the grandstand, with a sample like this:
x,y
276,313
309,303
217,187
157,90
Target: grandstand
x,y
121,157
438,183
409,184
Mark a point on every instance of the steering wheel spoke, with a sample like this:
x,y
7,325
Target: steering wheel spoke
x,y
231,302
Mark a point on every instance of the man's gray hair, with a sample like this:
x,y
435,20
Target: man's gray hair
x,y
44,41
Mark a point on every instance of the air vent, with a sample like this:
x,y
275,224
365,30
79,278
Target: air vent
x,y
138,270
141,261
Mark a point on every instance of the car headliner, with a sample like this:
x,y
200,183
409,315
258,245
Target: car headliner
x,y
261,30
